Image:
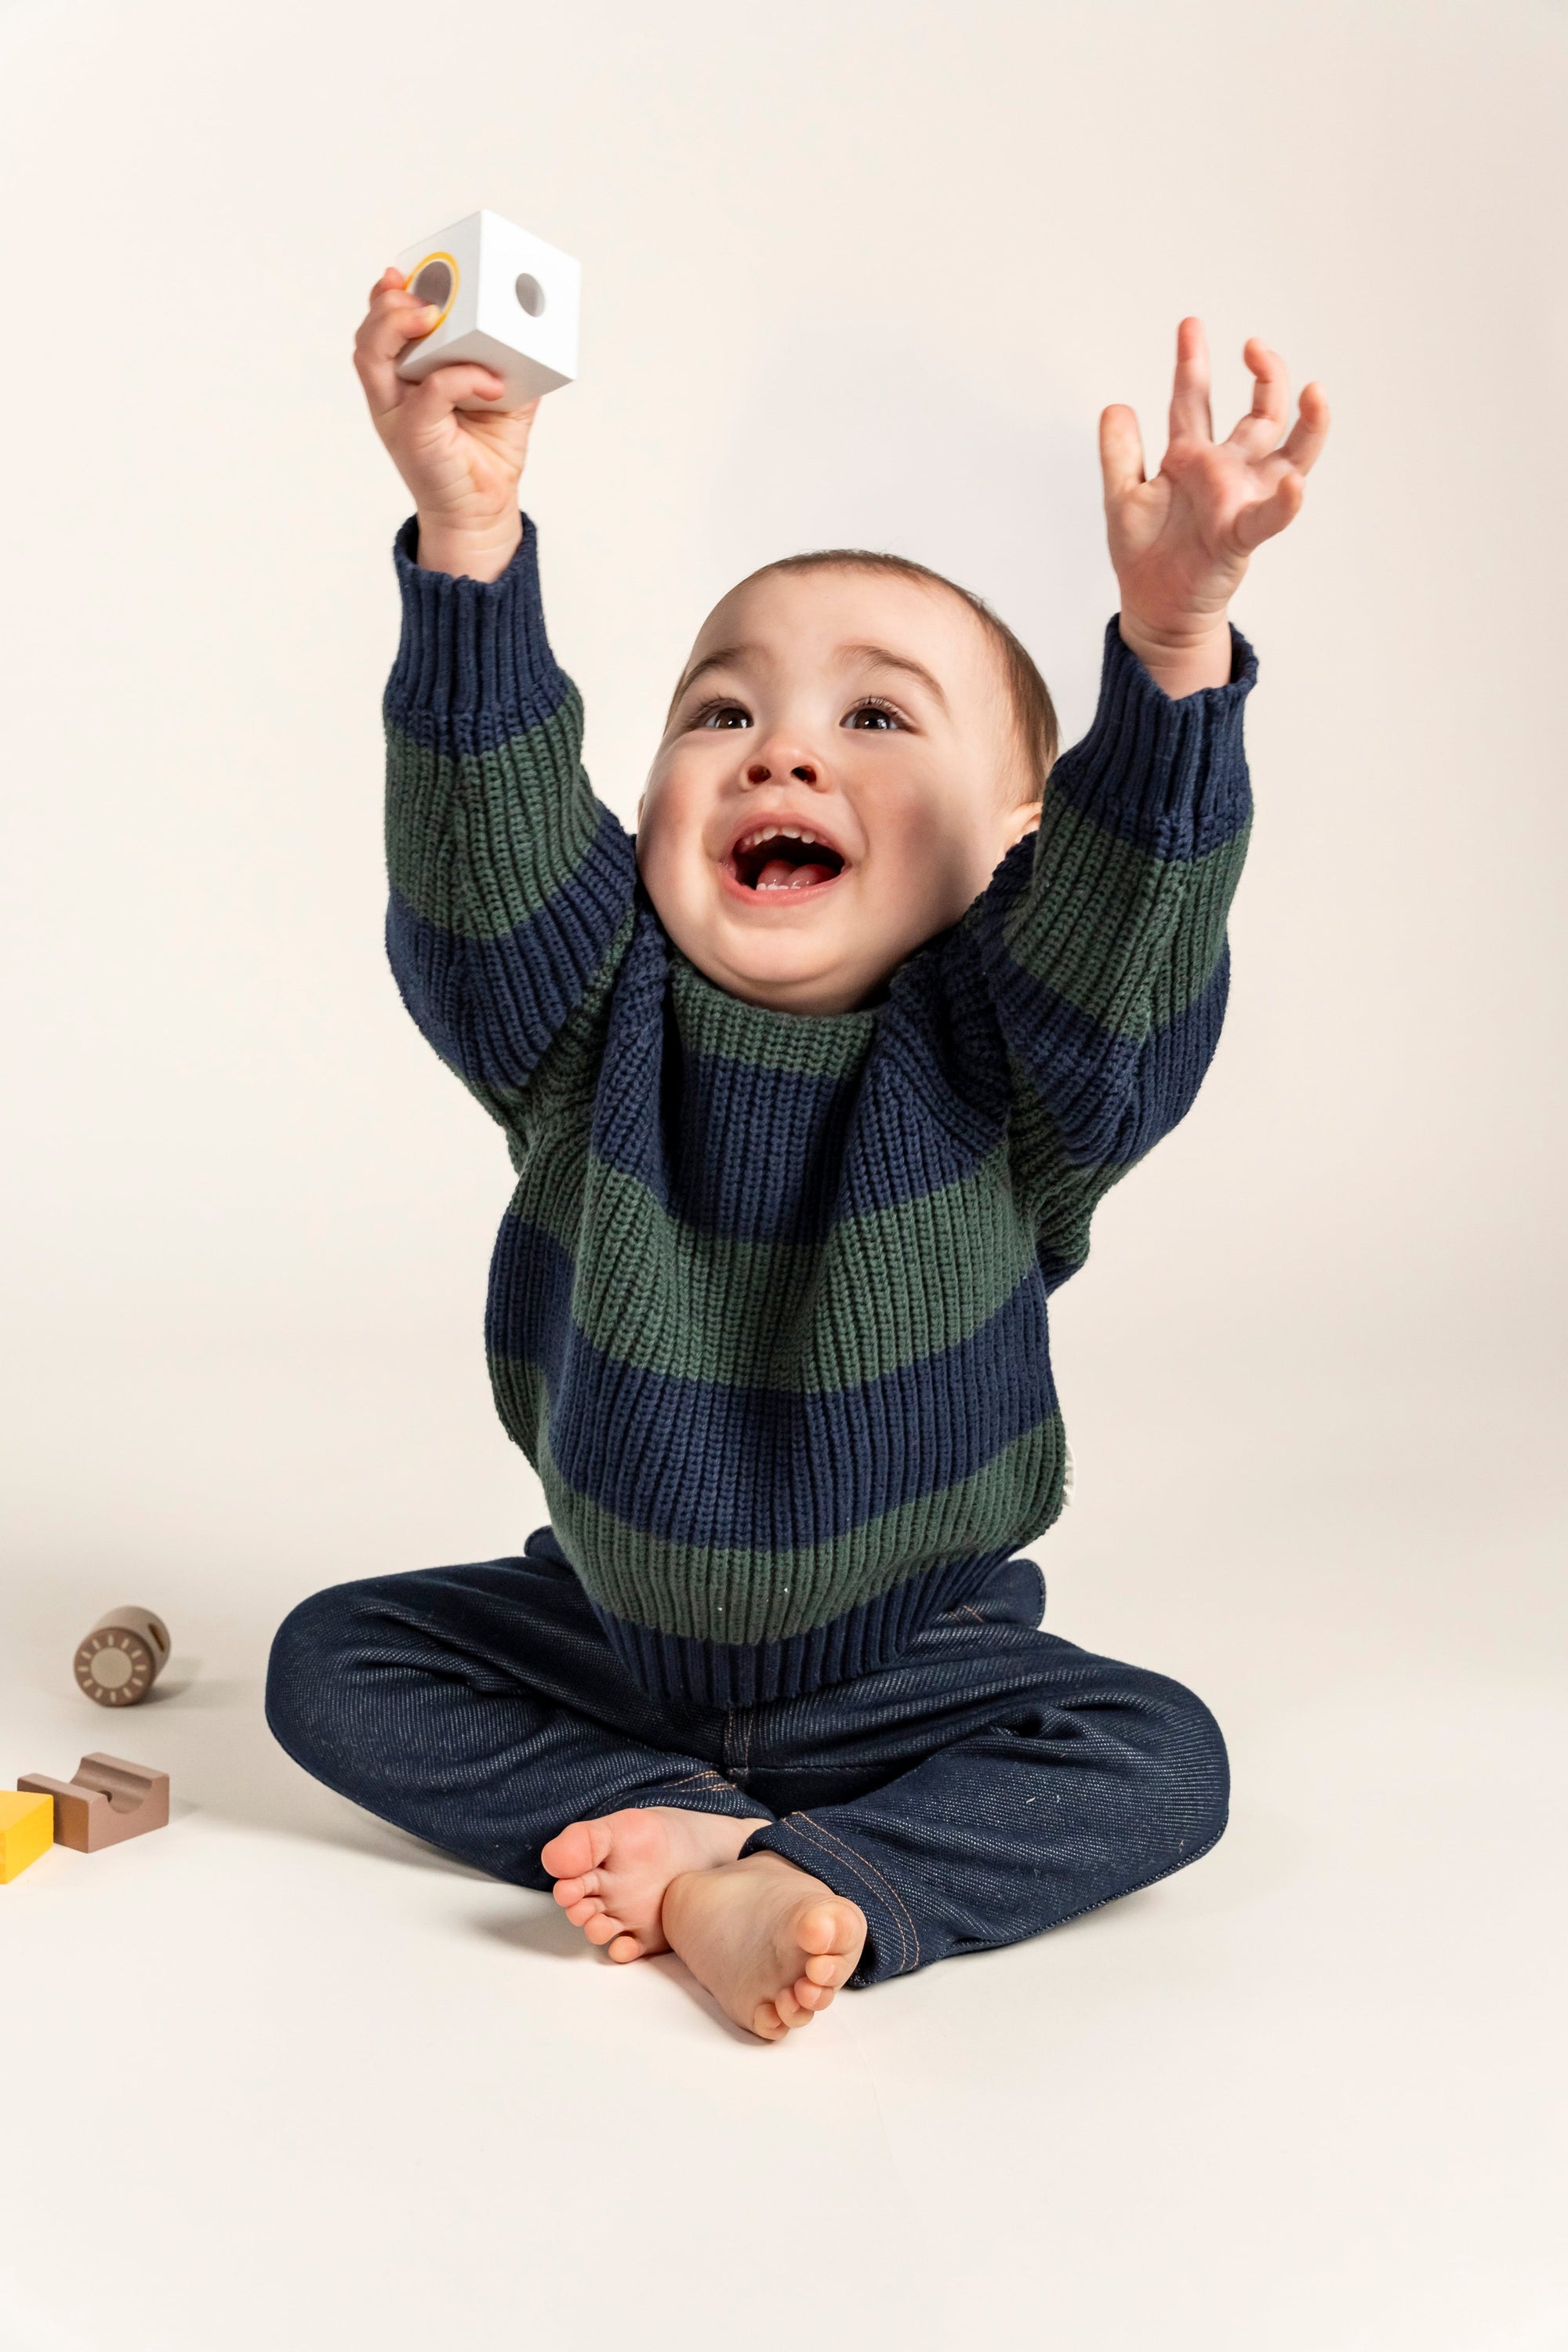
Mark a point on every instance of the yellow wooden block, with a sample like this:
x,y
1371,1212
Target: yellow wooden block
x,y
27,1831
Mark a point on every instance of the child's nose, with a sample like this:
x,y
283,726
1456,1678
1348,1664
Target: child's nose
x,y
757,773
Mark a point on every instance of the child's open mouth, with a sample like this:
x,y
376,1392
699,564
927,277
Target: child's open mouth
x,y
776,858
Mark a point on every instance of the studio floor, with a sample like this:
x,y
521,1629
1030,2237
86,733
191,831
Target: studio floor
x,y
279,2077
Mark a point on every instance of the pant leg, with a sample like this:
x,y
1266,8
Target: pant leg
x,y
993,1783
481,1709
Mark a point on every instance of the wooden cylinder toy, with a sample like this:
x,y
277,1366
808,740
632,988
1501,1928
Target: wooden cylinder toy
x,y
122,1657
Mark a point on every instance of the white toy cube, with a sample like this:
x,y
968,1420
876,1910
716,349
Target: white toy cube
x,y
507,299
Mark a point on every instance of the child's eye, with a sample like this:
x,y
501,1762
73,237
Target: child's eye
x,y
722,714
873,717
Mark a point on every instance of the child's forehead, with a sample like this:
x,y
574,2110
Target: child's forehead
x,y
833,614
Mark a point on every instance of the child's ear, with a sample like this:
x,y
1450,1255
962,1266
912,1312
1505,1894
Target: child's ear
x,y
1023,820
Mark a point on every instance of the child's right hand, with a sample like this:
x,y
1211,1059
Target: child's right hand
x,y
462,466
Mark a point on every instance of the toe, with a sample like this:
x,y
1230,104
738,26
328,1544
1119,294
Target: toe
x,y
582,1846
827,1968
603,1930
627,1948
836,1928
572,1890
581,1912
767,2023
816,1930
811,1996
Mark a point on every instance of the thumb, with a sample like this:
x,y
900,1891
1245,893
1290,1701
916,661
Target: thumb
x,y
1121,452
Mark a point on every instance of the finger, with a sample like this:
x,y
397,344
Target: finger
x,y
390,325
1310,430
394,319
1259,430
1121,452
444,388
1191,418
388,278
1266,516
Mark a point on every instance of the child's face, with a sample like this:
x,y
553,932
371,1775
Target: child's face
x,y
867,710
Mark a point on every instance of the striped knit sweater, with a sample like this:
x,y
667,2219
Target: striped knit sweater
x,y
767,1312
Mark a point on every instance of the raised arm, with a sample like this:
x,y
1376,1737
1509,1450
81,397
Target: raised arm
x,y
1103,939
511,885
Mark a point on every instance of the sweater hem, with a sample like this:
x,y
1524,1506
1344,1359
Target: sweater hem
x,y
746,1674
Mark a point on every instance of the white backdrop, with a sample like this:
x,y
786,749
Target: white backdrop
x,y
859,272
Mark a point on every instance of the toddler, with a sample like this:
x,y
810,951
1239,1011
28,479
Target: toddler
x,y
810,1092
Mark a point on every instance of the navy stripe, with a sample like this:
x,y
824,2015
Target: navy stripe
x,y
699,1462
474,667
1110,1099
755,1154
741,1674
1138,770
491,1007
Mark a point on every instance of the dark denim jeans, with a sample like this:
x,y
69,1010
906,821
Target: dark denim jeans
x,y
992,1782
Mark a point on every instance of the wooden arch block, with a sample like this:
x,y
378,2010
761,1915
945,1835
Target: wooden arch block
x,y
105,1801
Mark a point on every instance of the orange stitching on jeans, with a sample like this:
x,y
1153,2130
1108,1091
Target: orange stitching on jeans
x,y
867,1871
895,1900
847,1862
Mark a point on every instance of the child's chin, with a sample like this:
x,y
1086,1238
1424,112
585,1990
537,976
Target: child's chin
x,y
756,967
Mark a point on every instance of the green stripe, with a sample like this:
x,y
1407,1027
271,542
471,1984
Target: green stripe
x,y
726,1027
1198,940
800,1319
477,843
1100,916
1057,1197
756,1596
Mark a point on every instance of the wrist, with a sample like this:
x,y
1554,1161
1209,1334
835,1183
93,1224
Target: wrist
x,y
1184,653
471,550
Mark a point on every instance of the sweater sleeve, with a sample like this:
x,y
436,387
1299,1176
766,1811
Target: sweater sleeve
x,y
1102,938
512,887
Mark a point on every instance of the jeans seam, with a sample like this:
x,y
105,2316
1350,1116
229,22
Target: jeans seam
x,y
869,1872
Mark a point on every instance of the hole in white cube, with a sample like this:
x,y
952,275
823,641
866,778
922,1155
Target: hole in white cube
x,y
530,294
432,282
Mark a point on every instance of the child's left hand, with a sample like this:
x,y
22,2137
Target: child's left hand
x,y
1180,543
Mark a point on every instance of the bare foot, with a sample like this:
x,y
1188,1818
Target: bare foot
x,y
771,1946
611,1874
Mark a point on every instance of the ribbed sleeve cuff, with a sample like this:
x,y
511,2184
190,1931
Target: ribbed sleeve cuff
x,y
1169,775
474,664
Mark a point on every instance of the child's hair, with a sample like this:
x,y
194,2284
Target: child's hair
x,y
1033,713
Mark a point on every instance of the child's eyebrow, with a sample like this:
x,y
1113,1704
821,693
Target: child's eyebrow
x,y
883,658
866,656
727,658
